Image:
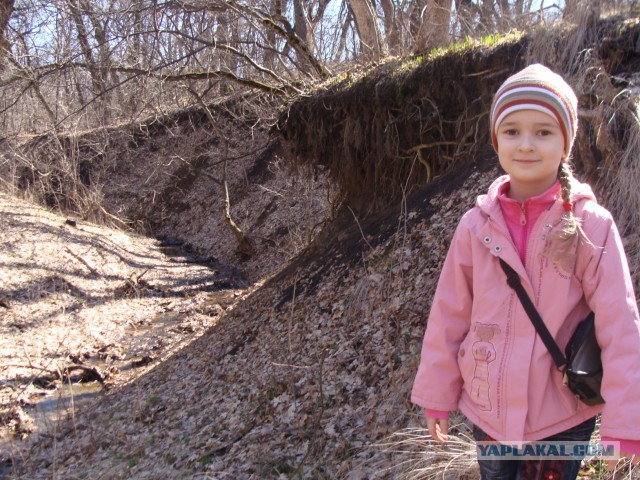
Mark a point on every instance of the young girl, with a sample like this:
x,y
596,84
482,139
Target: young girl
x,y
481,353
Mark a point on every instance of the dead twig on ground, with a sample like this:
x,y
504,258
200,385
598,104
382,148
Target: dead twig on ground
x,y
88,373
83,261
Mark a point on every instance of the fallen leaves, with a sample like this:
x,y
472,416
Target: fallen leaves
x,y
299,379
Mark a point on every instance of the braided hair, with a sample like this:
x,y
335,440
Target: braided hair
x,y
571,229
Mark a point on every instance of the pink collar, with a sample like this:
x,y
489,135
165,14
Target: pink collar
x,y
521,217
539,202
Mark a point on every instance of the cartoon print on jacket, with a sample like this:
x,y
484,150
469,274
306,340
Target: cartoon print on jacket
x,y
484,352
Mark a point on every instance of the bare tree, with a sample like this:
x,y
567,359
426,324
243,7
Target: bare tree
x,y
275,11
582,11
391,21
120,57
467,11
96,61
6,8
98,68
244,242
435,27
301,23
368,30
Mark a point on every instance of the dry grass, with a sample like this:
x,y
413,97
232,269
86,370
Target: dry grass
x,y
412,454
623,176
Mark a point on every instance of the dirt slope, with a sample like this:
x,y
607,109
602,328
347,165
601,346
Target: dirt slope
x,y
301,376
306,376
165,177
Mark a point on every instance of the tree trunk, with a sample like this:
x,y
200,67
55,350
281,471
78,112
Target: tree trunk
x,y
466,17
304,31
97,78
300,24
582,12
275,11
104,57
391,26
486,24
6,8
100,34
416,11
436,25
368,31
83,39
506,19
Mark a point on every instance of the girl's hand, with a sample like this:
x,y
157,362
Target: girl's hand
x,y
438,428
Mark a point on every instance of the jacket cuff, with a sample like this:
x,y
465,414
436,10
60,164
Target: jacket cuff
x,y
626,446
439,414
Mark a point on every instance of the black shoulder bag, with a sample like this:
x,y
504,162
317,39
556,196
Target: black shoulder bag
x,y
581,364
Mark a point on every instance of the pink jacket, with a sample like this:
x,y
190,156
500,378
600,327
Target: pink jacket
x,y
481,353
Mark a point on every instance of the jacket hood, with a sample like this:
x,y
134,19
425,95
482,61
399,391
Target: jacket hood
x,y
489,202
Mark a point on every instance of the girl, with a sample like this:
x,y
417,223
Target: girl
x,y
481,353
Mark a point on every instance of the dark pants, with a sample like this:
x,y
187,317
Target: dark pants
x,y
536,469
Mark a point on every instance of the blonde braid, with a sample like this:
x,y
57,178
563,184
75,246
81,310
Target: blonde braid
x,y
571,222
563,249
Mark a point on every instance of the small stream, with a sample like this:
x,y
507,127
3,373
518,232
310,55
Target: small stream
x,y
141,345
47,411
64,401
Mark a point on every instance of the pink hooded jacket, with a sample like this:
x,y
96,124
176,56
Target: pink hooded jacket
x,y
481,353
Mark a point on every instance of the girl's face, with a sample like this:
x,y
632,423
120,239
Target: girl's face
x,y
530,149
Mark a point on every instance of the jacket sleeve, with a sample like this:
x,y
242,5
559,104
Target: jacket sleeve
x,y
438,383
609,293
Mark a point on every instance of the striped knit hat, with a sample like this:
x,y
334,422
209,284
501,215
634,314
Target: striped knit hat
x,y
537,88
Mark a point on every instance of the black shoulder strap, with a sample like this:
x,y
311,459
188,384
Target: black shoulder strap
x,y
513,280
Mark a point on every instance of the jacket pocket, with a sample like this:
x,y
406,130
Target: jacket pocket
x,y
465,358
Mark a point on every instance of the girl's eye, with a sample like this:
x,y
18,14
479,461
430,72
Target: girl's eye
x,y
544,133
511,131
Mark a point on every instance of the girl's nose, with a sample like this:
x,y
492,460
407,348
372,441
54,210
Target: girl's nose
x,y
526,142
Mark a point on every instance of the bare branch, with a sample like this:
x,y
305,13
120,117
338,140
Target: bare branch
x,y
288,34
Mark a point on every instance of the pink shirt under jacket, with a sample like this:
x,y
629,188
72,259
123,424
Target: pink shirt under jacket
x,y
481,353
